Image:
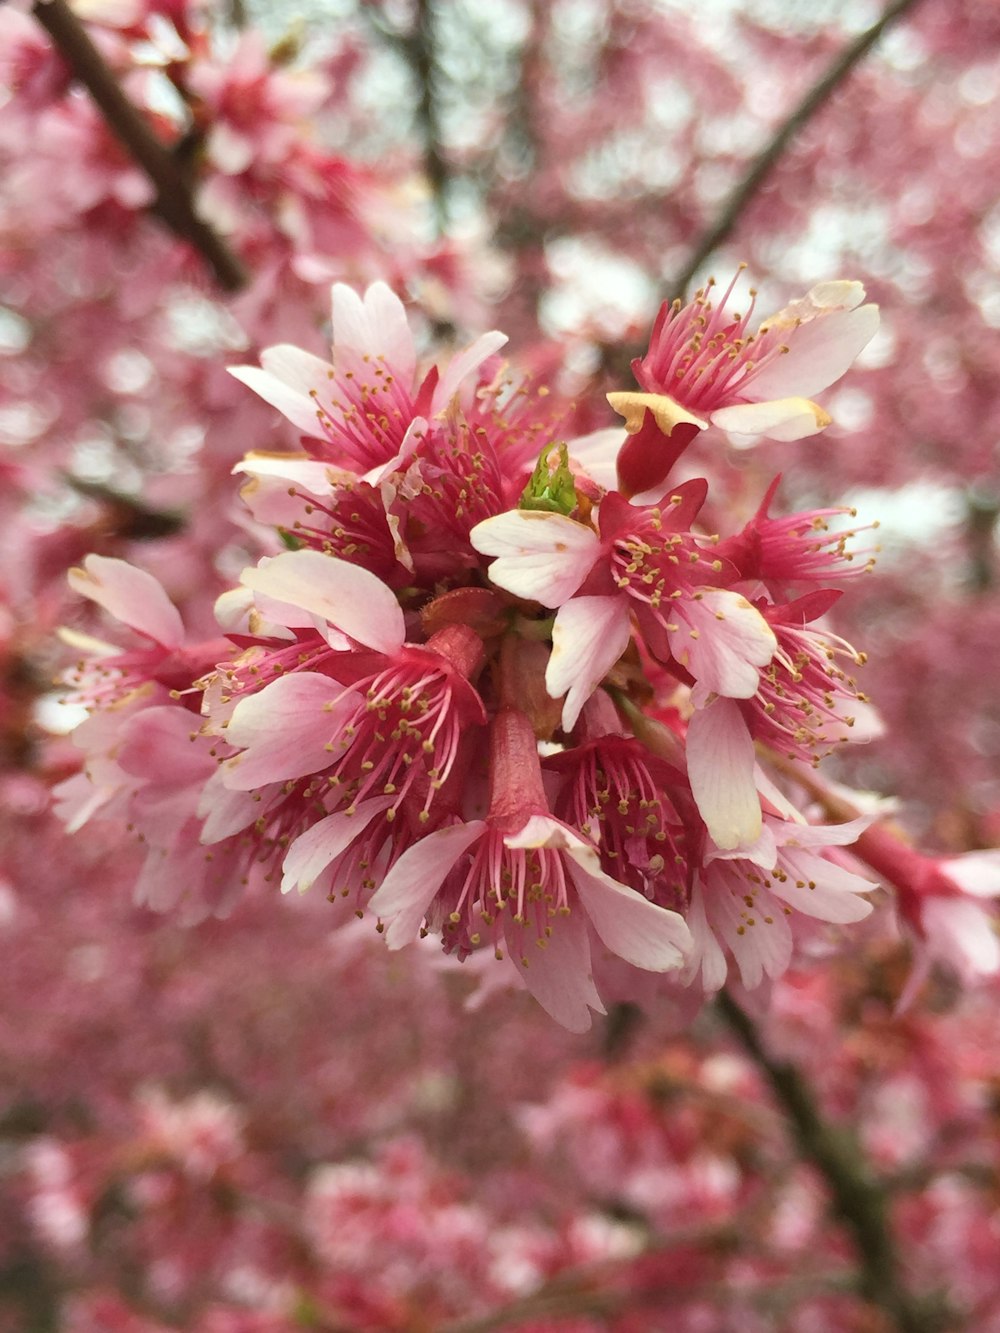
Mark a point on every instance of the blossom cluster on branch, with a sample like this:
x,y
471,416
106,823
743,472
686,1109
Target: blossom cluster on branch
x,y
506,688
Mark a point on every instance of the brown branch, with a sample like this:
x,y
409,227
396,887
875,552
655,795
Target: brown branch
x,y
422,45
858,1197
765,161
174,204
578,1292
418,49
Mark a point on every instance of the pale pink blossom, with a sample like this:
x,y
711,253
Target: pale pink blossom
x,y
366,412
706,367
644,563
744,905
943,901
528,884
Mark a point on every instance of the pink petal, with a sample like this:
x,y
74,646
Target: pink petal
x,y
288,729
820,889
706,953
632,927
224,812
463,365
723,641
409,888
416,431
156,744
311,852
720,760
588,637
375,326
542,557
131,596
763,948
347,596
559,976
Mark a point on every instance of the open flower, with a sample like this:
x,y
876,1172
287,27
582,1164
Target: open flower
x,y
375,715
366,411
642,562
746,905
529,884
706,367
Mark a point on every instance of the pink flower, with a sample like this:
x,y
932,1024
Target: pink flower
x,y
705,367
363,414
940,900
805,705
375,715
797,548
644,562
745,905
528,883
635,808
146,760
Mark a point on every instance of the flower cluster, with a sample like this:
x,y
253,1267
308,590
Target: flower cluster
x,y
504,687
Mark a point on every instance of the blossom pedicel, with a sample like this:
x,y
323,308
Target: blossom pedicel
x,y
486,698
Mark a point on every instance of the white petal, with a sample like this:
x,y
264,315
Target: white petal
x,y
778,418
306,472
296,406
975,872
131,596
632,927
588,637
720,759
347,596
236,613
961,933
597,455
820,351
542,557
544,831
796,834
403,897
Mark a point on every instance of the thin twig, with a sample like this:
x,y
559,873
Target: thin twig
x,y
858,1197
174,204
765,161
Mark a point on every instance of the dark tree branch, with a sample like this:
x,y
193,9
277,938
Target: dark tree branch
x,y
418,48
422,53
765,161
174,205
858,1197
